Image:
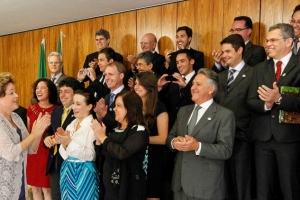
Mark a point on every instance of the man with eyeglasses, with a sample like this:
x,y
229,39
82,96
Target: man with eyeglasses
x,y
184,36
277,145
148,43
295,22
253,54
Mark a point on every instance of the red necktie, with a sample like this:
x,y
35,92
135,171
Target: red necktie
x,y
278,70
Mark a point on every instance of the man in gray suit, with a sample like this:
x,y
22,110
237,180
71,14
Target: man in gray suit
x,y
203,137
55,63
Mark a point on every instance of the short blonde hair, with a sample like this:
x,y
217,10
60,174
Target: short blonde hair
x,y
5,79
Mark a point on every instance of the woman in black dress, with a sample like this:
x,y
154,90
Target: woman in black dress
x,y
157,120
124,149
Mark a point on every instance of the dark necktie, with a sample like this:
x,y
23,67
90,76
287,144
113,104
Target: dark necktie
x,y
295,47
103,79
230,77
278,70
53,79
111,98
193,120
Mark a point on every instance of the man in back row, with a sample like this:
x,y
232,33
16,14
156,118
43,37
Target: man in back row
x,y
253,54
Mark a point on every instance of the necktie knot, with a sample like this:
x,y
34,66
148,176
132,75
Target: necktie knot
x,y
64,115
53,79
278,70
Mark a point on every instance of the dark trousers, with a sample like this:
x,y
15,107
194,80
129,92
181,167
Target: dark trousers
x,y
238,171
276,160
54,185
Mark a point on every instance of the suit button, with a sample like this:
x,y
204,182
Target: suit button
x,y
273,116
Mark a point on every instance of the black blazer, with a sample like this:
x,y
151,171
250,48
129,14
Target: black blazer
x,y
109,118
253,55
266,124
236,98
199,61
158,64
101,89
55,161
174,98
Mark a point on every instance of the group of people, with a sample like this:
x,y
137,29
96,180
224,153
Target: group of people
x,y
167,128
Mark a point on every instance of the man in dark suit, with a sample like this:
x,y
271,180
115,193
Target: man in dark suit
x,y
102,38
175,94
184,36
203,137
148,43
277,145
61,116
234,85
295,22
114,74
253,54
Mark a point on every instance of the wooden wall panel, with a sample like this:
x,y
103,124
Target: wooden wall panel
x,y
122,28
148,21
209,19
168,28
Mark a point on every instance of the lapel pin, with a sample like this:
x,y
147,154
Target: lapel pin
x,y
209,118
283,74
110,109
244,75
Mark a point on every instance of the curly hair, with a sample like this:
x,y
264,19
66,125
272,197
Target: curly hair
x,y
51,89
5,79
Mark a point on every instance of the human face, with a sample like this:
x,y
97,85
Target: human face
x,y
201,91
102,62
182,40
230,56
142,66
277,47
113,77
295,22
120,112
147,43
10,100
42,91
66,95
55,65
80,108
244,32
140,90
184,65
101,42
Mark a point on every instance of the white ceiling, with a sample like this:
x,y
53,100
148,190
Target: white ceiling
x,y
23,15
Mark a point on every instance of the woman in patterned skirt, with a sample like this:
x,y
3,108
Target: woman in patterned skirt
x,y
79,179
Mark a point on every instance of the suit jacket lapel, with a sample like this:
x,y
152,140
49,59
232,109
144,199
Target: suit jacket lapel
x,y
185,117
68,120
270,70
206,118
291,64
223,79
239,77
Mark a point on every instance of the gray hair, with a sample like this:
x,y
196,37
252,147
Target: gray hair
x,y
213,79
286,29
54,53
104,33
147,56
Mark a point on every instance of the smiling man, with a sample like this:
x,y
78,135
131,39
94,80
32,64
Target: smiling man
x,y
202,138
253,54
102,40
55,64
277,145
184,36
234,84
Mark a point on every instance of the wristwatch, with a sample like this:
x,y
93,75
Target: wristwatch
x,y
279,101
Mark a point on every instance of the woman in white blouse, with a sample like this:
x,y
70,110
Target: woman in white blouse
x,y
15,141
79,179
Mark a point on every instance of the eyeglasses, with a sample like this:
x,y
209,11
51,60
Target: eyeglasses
x,y
145,43
272,40
237,30
292,22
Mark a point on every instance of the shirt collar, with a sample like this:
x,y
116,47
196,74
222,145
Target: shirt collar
x,y
189,76
118,90
285,59
206,104
239,67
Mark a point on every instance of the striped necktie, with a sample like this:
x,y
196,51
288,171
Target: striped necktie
x,y
230,77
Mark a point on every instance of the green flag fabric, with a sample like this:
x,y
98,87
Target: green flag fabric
x,y
42,71
60,47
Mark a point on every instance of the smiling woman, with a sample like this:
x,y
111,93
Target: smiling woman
x,y
15,141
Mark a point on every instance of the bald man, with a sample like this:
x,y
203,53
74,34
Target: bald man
x,y
148,43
